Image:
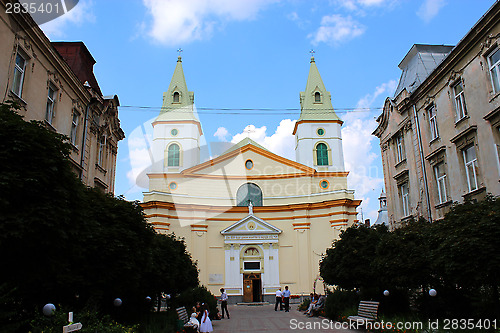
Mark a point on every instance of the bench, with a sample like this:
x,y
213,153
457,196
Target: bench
x,y
183,316
367,311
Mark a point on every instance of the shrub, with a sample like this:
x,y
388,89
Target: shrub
x,y
201,294
341,303
305,304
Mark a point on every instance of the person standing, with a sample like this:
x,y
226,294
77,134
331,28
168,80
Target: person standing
x,y
206,323
286,299
223,302
278,300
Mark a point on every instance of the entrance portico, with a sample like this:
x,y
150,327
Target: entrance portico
x,y
251,259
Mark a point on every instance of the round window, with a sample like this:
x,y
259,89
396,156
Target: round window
x,y
249,164
324,184
172,185
320,132
174,132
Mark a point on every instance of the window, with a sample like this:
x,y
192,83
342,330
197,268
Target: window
x,y
247,193
173,158
251,265
322,154
249,164
174,132
324,184
460,107
440,174
176,97
494,64
405,205
101,152
19,69
400,149
74,128
317,97
433,122
470,161
320,131
51,101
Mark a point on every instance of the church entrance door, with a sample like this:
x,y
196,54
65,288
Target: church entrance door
x,y
252,287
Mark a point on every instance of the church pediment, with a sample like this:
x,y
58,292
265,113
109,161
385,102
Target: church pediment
x,y
263,164
250,225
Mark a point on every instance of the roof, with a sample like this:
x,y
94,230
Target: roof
x,y
418,63
242,143
183,109
311,110
79,59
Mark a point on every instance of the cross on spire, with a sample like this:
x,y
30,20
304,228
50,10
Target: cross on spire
x,y
248,130
312,55
179,51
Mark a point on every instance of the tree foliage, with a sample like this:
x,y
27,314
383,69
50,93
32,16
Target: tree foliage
x,y
458,256
62,242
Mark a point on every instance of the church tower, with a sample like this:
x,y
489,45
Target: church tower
x,y
318,141
177,130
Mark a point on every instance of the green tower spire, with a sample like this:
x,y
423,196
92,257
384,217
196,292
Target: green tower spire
x,y
178,102
316,101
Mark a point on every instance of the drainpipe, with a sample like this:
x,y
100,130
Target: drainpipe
x,y
92,101
422,160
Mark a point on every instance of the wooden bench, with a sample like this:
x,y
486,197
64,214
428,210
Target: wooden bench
x,y
183,316
367,311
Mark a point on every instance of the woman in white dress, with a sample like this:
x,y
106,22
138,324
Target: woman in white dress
x,y
206,323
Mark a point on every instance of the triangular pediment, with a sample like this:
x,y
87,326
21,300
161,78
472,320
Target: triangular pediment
x,y
250,225
264,163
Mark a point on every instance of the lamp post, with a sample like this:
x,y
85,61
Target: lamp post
x,y
49,309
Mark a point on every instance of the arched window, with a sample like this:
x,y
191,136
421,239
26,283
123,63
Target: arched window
x,y
317,97
247,193
173,155
322,154
176,97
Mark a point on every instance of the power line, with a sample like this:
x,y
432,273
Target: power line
x,y
236,111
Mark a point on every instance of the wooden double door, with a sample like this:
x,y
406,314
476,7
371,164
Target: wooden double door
x,y
252,287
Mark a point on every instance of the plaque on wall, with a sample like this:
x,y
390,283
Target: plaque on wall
x,y
216,279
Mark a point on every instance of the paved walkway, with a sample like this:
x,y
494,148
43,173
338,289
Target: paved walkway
x,y
264,319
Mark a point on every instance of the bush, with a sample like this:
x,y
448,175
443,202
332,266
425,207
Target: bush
x,y
305,304
91,322
340,304
201,294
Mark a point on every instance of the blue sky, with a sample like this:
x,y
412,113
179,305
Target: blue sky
x,y
255,54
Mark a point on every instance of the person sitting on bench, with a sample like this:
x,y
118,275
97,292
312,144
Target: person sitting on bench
x,y
318,306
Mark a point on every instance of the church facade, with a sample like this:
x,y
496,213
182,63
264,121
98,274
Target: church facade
x,y
254,221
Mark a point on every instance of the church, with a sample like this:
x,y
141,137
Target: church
x,y
254,221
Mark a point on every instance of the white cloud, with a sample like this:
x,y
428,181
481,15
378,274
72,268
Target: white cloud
x,y
281,142
361,150
360,5
179,21
335,29
80,14
221,133
429,9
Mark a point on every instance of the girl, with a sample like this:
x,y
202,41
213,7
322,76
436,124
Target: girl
x,y
206,323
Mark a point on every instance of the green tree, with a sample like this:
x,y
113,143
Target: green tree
x,y
349,263
64,243
467,256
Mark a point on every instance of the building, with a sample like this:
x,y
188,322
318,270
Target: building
x,y
253,220
439,134
382,217
55,83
